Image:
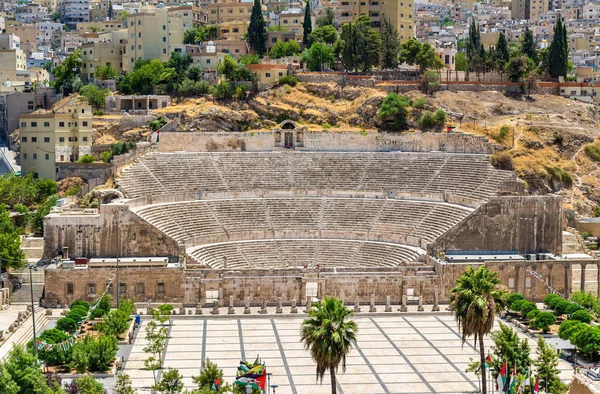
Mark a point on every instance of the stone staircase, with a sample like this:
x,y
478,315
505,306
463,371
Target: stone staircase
x,y
571,244
23,333
33,248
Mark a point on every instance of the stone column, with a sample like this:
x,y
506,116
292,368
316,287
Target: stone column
x,y
388,307
263,309
356,305
373,308
294,309
403,307
307,304
279,305
247,306
231,310
567,268
198,309
420,308
215,310
436,306
342,295
598,278
582,284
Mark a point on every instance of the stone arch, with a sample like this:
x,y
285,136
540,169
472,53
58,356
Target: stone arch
x,y
287,125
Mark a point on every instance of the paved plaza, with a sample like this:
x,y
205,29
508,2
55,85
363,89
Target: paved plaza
x,y
395,353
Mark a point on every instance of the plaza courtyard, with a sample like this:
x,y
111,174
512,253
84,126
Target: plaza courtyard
x,y
409,353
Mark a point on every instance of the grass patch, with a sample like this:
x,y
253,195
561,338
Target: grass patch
x,y
593,151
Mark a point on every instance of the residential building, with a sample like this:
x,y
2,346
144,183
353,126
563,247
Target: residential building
x,y
399,13
268,74
528,9
46,31
31,13
51,137
105,25
73,12
108,51
292,20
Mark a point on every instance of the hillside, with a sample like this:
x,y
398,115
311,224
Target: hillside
x,y
545,135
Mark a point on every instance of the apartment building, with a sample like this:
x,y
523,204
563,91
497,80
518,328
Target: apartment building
x,y
105,25
528,9
153,32
292,20
31,13
108,51
398,12
51,137
73,12
46,31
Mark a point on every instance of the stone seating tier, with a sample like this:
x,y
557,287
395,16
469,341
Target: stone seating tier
x,y
286,253
462,175
411,222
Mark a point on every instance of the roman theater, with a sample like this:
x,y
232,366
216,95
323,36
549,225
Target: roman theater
x,y
280,217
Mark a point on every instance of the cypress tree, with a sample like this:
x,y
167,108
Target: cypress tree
x,y
502,48
528,45
390,45
307,24
257,34
558,61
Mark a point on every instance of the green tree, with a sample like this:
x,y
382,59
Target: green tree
x,y
393,112
430,81
569,328
257,34
326,34
516,68
327,19
561,307
587,300
528,47
413,51
390,45
143,79
318,56
359,46
283,49
409,50
105,72
527,307
551,300
21,371
66,73
507,347
582,316
587,339
156,337
94,95
209,373
475,300
328,334
54,356
123,385
171,382
250,58
546,366
115,323
460,62
502,49
105,303
88,385
11,254
307,24
544,320
558,52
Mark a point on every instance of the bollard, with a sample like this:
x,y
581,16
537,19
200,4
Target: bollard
x,y
373,308
388,307
356,305
231,310
279,305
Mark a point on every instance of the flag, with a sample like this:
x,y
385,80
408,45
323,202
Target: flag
x,y
513,380
501,381
536,388
527,381
488,359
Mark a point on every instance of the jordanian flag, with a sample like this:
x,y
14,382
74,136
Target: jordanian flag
x,y
536,388
501,381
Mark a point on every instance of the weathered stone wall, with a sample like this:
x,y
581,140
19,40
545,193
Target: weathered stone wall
x,y
56,281
527,224
83,170
327,141
95,235
514,276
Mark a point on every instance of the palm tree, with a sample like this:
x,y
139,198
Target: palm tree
x,y
328,336
475,301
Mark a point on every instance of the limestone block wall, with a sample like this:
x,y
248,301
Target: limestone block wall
x,y
527,224
327,141
57,281
95,235
83,170
514,276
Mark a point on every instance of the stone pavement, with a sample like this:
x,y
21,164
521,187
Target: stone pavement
x,y
409,353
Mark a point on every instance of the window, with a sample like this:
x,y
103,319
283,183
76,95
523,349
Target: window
x,y
30,105
33,139
23,124
91,289
61,139
75,124
140,35
24,156
207,61
281,74
122,288
139,22
85,124
139,289
164,27
161,288
33,124
70,289
164,39
46,124
47,156
46,139
164,50
267,75
23,139
85,139
62,157
35,156
72,139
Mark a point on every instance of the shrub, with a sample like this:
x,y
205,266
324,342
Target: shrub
x,y
587,339
72,190
97,313
115,323
533,314
156,124
514,297
593,151
427,121
517,304
527,307
106,156
502,134
54,356
104,303
568,328
502,161
127,306
551,300
326,126
392,112
288,80
66,324
77,314
561,307
190,87
94,354
419,103
572,308
77,303
223,90
585,235
241,92
544,320
582,316
560,175
86,159
440,117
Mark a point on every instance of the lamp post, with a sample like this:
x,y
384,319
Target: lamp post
x,y
274,387
269,382
31,268
118,286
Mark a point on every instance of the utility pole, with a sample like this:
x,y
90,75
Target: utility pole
x,y
118,286
31,268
